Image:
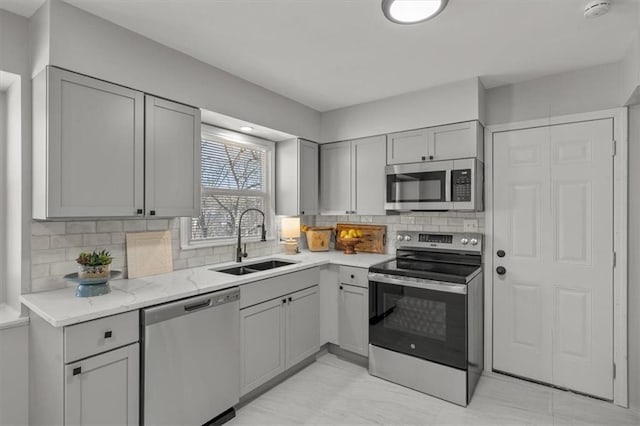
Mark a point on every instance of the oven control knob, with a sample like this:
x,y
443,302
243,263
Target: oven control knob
x,y
407,237
464,241
474,242
400,238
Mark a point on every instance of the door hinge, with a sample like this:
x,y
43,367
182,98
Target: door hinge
x,y
614,370
614,259
613,148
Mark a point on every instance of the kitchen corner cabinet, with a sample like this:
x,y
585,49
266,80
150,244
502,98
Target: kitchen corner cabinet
x,y
353,310
86,373
352,177
460,140
276,335
296,177
93,140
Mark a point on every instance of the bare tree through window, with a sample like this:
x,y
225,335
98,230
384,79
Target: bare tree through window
x,y
233,180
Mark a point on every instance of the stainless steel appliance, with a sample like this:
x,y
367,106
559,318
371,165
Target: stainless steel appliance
x,y
426,315
437,185
191,360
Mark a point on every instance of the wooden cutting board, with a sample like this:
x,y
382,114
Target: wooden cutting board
x,y
374,237
149,253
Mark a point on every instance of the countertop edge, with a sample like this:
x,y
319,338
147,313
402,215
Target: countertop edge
x,y
233,281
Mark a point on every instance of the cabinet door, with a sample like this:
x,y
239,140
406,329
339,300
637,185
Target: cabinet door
x,y
303,325
308,176
103,389
95,148
262,344
353,331
462,140
172,152
407,147
335,178
368,172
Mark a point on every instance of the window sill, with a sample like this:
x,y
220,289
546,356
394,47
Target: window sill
x,y
10,318
221,243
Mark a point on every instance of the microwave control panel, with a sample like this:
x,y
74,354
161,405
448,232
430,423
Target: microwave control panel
x,y
461,185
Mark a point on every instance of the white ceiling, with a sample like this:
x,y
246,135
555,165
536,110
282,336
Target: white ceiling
x,y
329,54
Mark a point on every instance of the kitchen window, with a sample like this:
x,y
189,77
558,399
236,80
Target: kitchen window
x,y
236,174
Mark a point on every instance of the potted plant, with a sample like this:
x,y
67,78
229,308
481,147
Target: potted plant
x,y
94,265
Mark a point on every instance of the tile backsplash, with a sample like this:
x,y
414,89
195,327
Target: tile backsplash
x,y
413,221
55,245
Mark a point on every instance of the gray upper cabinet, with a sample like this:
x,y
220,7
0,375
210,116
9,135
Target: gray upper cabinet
x,y
88,147
368,163
335,178
172,158
352,177
452,141
90,150
296,177
407,147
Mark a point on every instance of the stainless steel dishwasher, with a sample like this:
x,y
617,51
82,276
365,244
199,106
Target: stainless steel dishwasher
x,y
191,360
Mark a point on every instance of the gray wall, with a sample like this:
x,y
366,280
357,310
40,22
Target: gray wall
x,y
445,104
590,89
90,45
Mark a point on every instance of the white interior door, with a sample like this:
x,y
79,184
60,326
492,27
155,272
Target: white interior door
x,y
553,218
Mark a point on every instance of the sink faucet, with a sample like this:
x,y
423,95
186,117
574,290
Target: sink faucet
x,y
239,252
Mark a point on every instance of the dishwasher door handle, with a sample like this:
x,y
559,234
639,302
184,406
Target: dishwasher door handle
x,y
197,306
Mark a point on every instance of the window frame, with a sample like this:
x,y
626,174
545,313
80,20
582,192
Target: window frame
x,y
220,135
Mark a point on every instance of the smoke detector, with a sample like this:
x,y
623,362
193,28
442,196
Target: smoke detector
x,y
596,8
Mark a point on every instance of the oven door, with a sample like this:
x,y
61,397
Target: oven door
x,y
421,318
419,186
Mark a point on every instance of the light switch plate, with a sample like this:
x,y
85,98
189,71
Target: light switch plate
x,y
470,225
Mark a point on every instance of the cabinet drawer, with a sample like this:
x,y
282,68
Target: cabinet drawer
x,y
354,276
270,288
94,337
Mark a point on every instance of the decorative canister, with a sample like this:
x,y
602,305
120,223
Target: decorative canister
x,y
318,238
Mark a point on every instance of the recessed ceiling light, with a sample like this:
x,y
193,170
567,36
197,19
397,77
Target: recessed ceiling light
x,y
247,129
412,11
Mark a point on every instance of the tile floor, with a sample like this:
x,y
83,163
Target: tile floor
x,y
335,392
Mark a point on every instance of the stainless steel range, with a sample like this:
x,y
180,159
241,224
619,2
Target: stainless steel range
x,y
426,315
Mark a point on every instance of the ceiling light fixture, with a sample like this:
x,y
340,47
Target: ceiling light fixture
x,y
412,11
247,129
596,8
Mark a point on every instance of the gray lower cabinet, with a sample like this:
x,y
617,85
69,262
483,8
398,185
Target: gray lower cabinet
x,y
103,389
86,373
353,319
276,335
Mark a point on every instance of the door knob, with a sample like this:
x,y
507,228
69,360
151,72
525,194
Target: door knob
x,y
500,253
501,270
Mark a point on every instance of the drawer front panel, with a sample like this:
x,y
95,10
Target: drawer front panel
x,y
270,288
354,276
94,337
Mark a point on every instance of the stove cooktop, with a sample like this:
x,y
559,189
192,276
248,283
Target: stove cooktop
x,y
437,271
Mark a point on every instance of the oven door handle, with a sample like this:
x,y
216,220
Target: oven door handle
x,y
418,283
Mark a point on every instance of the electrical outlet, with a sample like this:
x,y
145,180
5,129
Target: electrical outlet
x,y
470,225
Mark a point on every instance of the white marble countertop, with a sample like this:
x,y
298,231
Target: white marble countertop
x,y
61,307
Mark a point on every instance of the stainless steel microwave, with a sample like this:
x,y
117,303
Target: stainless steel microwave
x,y
436,185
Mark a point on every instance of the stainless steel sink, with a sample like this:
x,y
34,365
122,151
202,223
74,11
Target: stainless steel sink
x,y
254,267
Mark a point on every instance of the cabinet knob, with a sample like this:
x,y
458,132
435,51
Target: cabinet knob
x,y
139,211
284,301
424,158
77,370
302,212
347,212
340,287
431,157
352,276
290,300
108,334
152,212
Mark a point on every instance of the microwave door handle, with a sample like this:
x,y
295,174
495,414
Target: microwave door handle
x,y
447,185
